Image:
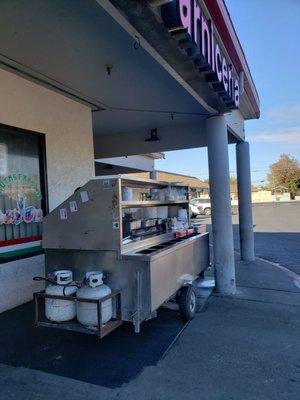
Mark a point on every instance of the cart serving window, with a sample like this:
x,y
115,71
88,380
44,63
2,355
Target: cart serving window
x,y
22,204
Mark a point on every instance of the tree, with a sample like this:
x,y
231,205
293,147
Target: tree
x,y
294,185
285,172
264,187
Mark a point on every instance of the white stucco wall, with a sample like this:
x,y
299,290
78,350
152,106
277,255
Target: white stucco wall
x,y
67,126
16,284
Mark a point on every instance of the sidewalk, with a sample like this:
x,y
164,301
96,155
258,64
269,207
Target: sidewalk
x,y
240,348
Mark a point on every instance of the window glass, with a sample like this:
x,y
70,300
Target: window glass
x,y
21,212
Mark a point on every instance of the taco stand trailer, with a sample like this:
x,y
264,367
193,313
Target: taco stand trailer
x,y
147,266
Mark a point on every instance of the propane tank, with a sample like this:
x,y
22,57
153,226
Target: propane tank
x,y
61,310
94,289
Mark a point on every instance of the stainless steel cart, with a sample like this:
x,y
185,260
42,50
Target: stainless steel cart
x,y
94,229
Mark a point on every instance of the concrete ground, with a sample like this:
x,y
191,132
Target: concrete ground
x,y
242,347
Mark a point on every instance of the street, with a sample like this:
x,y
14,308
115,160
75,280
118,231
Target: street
x,y
276,233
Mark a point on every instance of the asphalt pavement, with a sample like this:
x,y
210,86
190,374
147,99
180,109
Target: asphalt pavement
x,y
116,359
276,232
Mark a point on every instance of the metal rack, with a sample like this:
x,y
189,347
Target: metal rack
x,y
147,203
101,330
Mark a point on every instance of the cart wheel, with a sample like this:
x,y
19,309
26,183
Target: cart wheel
x,y
187,302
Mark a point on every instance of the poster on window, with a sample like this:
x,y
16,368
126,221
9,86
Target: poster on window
x,y
21,212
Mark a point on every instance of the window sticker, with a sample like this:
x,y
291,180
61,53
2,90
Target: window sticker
x,y
84,196
22,213
63,213
73,206
16,181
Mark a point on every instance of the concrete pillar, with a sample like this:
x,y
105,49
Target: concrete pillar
x,y
217,145
153,174
245,206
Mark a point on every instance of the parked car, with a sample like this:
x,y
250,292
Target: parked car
x,y
202,206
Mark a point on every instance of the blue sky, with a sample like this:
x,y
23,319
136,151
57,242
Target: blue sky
x,y
269,32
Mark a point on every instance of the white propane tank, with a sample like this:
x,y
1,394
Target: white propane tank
x,y
94,289
61,310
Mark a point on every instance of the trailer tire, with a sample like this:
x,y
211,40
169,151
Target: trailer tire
x,y
187,302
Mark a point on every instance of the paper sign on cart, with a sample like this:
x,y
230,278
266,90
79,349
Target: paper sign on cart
x,y
63,213
73,206
84,196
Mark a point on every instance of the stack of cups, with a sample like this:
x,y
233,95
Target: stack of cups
x,y
183,217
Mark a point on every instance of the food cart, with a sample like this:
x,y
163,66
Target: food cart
x,y
137,232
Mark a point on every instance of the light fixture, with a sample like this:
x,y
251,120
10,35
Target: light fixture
x,y
108,68
153,136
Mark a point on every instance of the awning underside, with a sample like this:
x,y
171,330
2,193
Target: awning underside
x,y
79,49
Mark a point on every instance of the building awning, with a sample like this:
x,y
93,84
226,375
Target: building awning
x,y
119,59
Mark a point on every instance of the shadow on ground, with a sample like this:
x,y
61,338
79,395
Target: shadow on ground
x,y
116,359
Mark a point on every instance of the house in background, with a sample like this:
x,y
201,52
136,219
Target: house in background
x,y
142,167
260,195
198,188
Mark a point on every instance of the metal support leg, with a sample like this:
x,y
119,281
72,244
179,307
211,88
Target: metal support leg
x,y
137,316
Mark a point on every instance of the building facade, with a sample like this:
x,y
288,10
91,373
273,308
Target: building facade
x,y
95,79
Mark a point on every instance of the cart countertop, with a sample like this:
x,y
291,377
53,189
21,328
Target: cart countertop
x,y
138,255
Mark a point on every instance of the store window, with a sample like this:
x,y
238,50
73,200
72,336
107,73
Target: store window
x,y
22,193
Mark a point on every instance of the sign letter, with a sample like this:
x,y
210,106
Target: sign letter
x,y
185,8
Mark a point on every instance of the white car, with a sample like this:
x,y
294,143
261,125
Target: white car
x,y
202,206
